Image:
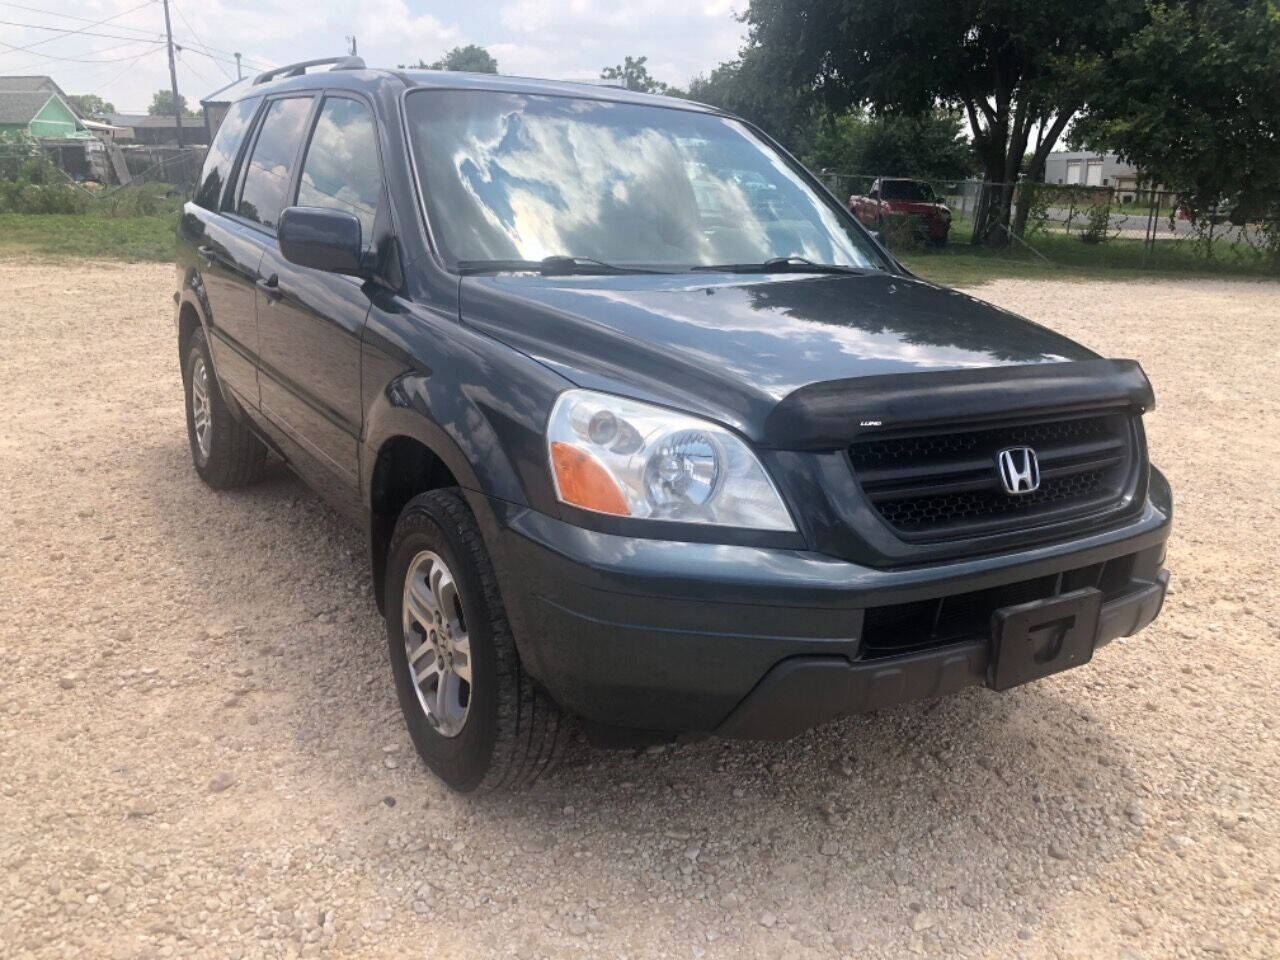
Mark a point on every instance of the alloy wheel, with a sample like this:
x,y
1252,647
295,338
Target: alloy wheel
x,y
437,643
200,412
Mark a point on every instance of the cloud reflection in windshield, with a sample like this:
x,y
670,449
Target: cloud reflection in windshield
x,y
510,176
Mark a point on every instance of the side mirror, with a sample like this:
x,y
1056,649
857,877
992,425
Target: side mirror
x,y
321,239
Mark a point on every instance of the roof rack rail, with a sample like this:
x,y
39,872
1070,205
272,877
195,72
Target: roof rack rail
x,y
298,69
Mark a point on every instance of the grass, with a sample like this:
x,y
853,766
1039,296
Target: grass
x,y
1066,257
109,232
88,236
133,223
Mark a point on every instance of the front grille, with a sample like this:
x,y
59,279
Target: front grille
x,y
925,624
943,483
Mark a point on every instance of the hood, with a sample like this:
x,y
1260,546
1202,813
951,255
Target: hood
x,y
732,346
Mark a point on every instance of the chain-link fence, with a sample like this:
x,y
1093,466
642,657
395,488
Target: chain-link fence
x,y
179,166
93,176
1136,224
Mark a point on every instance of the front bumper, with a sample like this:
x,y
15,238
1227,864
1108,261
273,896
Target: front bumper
x,y
802,692
753,642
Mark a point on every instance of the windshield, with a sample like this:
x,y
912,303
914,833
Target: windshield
x,y
907,190
514,177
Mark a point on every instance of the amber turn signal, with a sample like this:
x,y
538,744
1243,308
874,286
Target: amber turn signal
x,y
583,482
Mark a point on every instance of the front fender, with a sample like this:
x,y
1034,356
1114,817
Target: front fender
x,y
406,409
191,293
477,404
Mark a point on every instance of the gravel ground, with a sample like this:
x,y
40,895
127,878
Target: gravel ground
x,y
201,754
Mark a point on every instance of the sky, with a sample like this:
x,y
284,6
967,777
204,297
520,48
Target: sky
x,y
109,47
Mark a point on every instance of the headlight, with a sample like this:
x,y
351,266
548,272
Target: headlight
x,y
618,456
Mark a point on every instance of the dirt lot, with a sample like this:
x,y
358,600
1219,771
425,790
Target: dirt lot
x,y
200,751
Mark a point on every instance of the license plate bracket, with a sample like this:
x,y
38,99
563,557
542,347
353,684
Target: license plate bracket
x,y
1034,640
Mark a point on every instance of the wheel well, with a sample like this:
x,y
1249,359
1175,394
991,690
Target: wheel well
x,y
405,468
188,323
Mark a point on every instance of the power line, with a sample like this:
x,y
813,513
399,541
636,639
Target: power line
x,y
182,16
67,32
50,57
191,66
196,50
64,33
72,16
217,63
83,33
203,48
122,72
196,33
196,46
207,46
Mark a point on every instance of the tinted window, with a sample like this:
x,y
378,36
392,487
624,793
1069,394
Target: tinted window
x,y
341,170
217,164
266,180
512,176
910,190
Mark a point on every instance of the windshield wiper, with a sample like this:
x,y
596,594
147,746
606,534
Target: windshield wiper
x,y
557,266
781,265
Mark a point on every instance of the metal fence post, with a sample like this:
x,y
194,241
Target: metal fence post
x,y
1149,239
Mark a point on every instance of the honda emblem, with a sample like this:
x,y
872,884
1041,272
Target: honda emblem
x,y
1019,470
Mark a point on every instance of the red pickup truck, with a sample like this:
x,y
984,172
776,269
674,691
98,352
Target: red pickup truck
x,y
892,198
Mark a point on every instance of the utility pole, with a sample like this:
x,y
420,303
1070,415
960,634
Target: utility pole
x,y
239,75
353,45
173,74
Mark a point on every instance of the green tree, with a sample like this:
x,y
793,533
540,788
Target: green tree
x,y
90,105
469,59
1020,69
748,88
1193,100
932,147
162,105
634,75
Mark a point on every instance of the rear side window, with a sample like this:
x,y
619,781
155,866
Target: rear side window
x,y
266,178
217,164
341,171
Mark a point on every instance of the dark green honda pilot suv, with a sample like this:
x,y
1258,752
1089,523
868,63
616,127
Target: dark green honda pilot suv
x,y
646,431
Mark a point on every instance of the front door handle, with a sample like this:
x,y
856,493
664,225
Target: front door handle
x,y
206,251
270,288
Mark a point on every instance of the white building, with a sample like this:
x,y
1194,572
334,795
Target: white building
x,y
1091,169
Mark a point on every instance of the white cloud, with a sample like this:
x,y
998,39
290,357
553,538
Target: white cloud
x,y
390,23
533,60
567,39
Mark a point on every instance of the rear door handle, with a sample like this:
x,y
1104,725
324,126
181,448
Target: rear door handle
x,y
270,288
207,252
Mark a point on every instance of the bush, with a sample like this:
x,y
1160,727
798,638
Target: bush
x,y
1097,226
19,197
30,182
904,233
1038,198
23,160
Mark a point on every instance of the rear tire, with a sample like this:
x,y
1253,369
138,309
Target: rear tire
x,y
224,450
501,732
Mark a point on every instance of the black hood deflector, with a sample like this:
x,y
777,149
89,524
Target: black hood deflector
x,y
833,413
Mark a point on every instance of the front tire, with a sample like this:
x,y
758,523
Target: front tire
x,y
223,449
474,715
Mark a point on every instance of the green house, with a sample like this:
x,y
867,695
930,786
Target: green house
x,y
40,113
